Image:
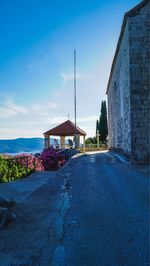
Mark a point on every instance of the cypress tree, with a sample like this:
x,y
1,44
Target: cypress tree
x,y
97,126
103,128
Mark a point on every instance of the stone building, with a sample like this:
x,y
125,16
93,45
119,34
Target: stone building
x,y
128,87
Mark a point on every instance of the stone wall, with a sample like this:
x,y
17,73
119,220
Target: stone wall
x,y
129,91
139,43
119,100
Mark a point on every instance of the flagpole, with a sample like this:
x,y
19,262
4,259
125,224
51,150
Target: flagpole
x,y
75,103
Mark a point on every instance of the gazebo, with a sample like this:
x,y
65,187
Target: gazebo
x,y
66,129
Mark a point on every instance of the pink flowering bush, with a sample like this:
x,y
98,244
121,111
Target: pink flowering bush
x,y
33,163
53,159
19,166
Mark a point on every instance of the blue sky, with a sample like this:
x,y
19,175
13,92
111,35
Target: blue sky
x,y
36,61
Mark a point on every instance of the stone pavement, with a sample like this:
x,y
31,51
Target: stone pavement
x,y
92,212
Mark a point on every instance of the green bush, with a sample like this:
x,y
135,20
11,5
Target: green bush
x,y
12,171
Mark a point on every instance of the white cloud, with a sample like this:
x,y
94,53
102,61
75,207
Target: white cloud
x,y
42,109
91,118
57,119
16,108
9,109
39,116
6,133
70,76
4,112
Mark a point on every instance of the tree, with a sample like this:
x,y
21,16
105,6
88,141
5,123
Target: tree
x,y
103,128
91,141
97,126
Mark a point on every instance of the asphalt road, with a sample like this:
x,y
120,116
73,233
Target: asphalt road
x,y
93,212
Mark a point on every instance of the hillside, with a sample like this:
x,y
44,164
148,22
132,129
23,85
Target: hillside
x,y
21,145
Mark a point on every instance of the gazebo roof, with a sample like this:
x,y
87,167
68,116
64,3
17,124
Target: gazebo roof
x,y
65,129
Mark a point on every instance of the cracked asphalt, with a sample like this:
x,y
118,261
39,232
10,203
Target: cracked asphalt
x,y
92,212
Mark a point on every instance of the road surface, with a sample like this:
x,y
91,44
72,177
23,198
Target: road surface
x,y
93,212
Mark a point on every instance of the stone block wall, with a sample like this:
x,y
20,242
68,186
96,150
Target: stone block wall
x,y
119,100
139,43
129,89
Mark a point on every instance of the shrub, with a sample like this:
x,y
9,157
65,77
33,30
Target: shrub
x,y
13,168
53,159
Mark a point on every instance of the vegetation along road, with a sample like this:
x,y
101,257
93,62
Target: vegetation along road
x,y
92,212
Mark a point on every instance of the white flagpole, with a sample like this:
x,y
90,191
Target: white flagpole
x,y
75,103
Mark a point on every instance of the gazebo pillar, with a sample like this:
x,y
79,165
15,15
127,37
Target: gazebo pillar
x,y
84,144
62,142
46,141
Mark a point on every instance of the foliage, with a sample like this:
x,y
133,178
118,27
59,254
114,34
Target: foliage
x,y
13,168
53,159
91,141
97,126
94,140
30,161
102,125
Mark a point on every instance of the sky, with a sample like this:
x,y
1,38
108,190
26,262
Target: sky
x,y
37,41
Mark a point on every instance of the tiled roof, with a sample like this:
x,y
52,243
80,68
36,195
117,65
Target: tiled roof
x,y
65,129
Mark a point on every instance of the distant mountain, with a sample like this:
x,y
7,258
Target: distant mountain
x,y
21,145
